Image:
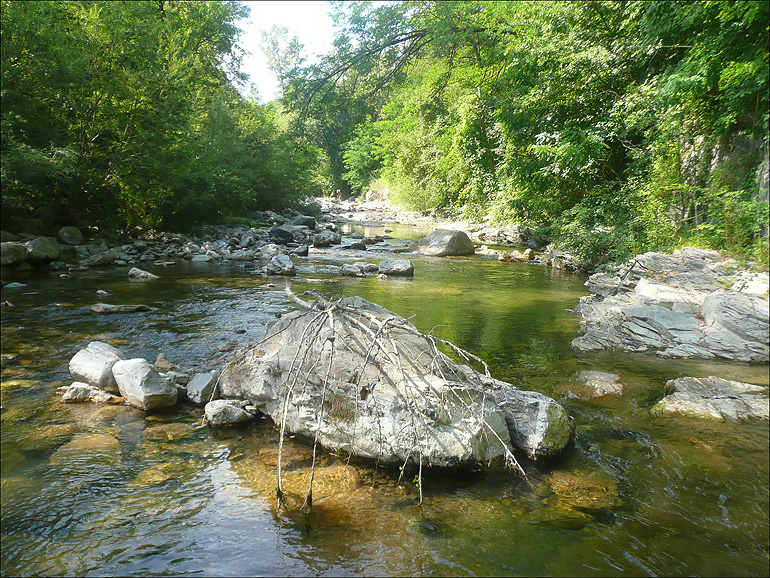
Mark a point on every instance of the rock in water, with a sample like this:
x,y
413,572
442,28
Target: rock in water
x,y
223,412
398,267
94,364
107,308
443,242
141,386
199,388
716,398
391,394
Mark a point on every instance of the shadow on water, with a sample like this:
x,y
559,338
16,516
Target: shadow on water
x,y
93,490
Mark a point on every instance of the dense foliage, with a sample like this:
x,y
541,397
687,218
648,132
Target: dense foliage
x,y
612,126
617,126
126,113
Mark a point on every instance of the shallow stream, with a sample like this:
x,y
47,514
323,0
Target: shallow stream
x,y
107,490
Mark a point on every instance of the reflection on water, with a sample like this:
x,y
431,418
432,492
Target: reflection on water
x,y
92,490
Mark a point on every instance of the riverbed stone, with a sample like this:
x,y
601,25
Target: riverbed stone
x,y
199,388
42,249
397,267
281,235
348,270
325,238
444,242
141,385
140,274
601,383
671,305
12,253
107,308
280,265
70,235
226,412
94,364
715,398
79,391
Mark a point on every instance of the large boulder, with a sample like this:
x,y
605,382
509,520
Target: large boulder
x,y
387,394
442,242
42,250
325,238
94,365
12,253
141,385
281,235
304,221
70,235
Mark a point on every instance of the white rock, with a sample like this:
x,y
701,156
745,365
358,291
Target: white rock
x,y
141,385
94,365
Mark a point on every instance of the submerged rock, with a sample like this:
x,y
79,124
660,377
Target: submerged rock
x,y
79,391
107,308
601,383
394,398
443,242
712,397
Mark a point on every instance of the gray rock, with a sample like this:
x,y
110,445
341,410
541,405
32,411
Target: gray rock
x,y
202,258
280,265
12,253
70,235
674,308
199,388
376,409
325,238
42,250
142,386
348,270
109,309
715,398
355,246
14,285
281,235
367,267
140,274
79,392
94,364
442,242
398,267
304,221
225,412
101,259
601,383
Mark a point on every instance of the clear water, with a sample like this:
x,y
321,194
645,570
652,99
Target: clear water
x,y
105,490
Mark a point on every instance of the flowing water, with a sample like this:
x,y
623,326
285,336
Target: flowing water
x,y
107,490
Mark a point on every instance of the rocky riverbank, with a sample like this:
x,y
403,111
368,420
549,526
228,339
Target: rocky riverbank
x,y
692,303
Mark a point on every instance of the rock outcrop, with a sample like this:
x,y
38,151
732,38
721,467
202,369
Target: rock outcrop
x,y
688,304
386,391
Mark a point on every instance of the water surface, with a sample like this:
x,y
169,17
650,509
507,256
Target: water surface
x,y
105,490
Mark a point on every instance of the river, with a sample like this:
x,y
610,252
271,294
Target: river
x,y
105,490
